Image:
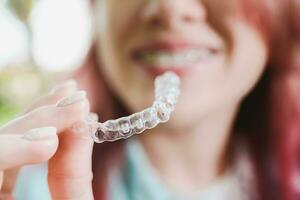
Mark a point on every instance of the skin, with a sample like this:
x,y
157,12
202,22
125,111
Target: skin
x,y
201,116
68,177
182,148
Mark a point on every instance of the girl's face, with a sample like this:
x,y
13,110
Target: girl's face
x,y
139,39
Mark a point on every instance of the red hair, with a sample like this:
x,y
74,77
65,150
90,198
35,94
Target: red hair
x,y
267,123
285,91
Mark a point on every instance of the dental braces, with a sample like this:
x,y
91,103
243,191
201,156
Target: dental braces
x,y
166,94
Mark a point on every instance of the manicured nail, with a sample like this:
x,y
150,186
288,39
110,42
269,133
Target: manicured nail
x,y
93,117
72,99
67,84
45,133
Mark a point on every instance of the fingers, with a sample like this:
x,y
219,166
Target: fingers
x,y
58,92
6,197
70,170
62,115
38,145
9,180
1,178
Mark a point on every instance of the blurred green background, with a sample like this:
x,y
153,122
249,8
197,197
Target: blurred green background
x,y
18,85
36,49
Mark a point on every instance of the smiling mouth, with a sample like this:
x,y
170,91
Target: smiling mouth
x,y
178,58
174,59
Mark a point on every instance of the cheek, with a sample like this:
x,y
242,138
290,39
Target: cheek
x,y
122,17
112,41
113,19
247,59
117,21
226,87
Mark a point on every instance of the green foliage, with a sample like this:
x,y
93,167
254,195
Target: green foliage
x,y
7,112
19,86
21,8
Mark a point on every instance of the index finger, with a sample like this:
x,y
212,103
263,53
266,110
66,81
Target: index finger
x,y
67,111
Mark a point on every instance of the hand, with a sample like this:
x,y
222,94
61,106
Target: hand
x,y
32,138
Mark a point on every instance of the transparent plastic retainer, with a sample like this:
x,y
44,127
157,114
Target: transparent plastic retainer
x,y
166,94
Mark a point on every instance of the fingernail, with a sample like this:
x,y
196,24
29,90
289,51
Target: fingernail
x,y
45,133
92,117
64,85
72,99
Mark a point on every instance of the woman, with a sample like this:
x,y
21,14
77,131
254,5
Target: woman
x,y
217,145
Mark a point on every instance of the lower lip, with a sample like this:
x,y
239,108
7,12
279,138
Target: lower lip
x,y
155,70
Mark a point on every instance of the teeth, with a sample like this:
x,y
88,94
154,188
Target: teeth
x,y
176,59
195,55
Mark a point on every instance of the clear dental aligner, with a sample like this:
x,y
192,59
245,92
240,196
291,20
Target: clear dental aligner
x,y
166,95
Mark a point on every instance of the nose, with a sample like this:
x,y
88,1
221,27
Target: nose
x,y
168,13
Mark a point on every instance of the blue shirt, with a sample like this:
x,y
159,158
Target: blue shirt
x,y
137,180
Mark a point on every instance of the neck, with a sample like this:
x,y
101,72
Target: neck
x,y
189,159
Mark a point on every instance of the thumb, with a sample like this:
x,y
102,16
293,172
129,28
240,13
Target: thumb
x,y
37,145
70,170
